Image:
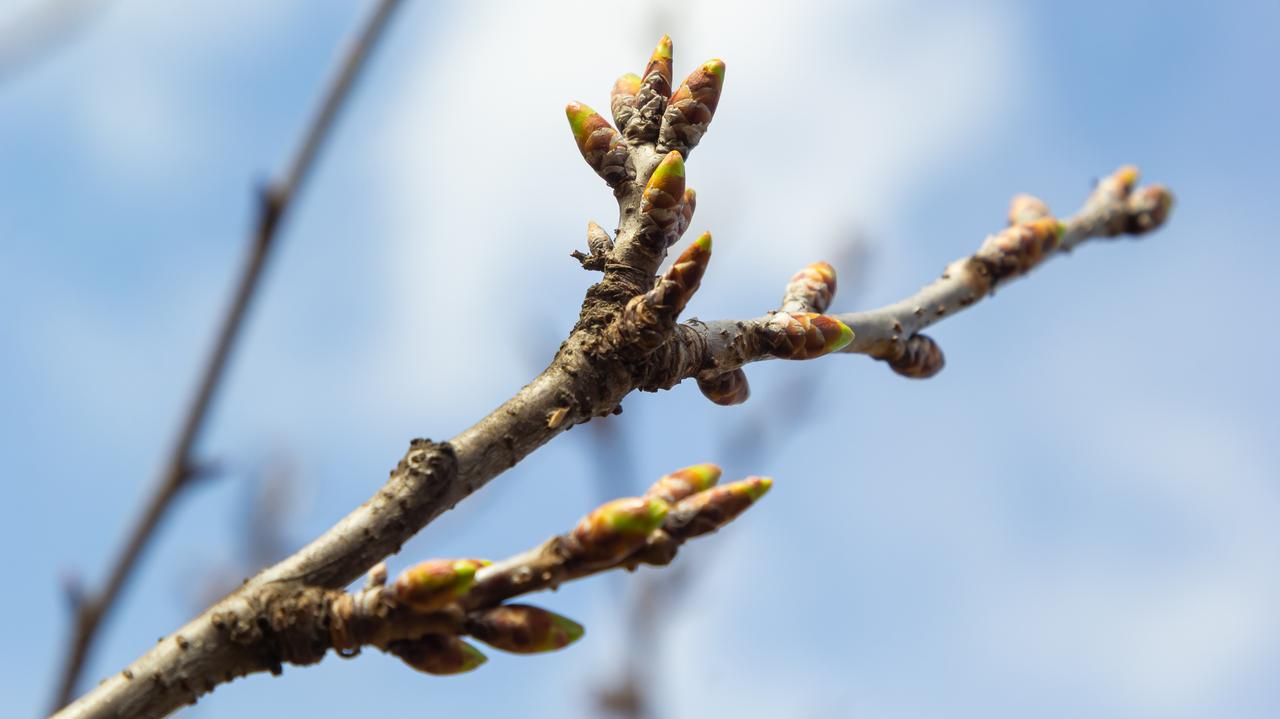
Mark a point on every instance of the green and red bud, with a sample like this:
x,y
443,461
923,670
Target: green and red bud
x,y
663,198
601,146
435,583
523,629
438,654
681,483
622,100
651,97
618,528
691,108
710,510
805,335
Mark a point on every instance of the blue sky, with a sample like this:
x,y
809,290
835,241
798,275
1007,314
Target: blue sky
x,y
1076,518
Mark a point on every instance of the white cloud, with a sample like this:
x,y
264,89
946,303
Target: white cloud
x,y
821,124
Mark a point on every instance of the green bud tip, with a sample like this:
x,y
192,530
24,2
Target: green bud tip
x,y
471,658
715,66
663,50
579,115
700,476
567,631
703,242
671,167
628,84
1128,176
637,515
756,487
836,333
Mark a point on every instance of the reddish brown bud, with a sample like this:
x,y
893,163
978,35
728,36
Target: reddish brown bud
x,y
726,389
437,654
921,358
523,629
810,289
710,510
1148,208
1017,249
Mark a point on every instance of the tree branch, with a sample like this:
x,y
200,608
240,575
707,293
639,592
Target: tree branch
x,y
626,338
274,202
711,351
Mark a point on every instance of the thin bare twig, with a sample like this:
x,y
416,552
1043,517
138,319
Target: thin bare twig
x,y
181,465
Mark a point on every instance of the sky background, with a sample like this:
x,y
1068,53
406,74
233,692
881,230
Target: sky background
x,y
1077,517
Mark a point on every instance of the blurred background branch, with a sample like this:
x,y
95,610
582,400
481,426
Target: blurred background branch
x,y
182,465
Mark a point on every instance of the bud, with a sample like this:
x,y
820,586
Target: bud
x,y
662,199
1027,208
651,97
601,146
810,289
691,107
598,241
686,211
708,511
684,277
805,335
435,583
617,528
683,482
921,358
622,101
1017,249
726,389
523,629
437,654
1148,208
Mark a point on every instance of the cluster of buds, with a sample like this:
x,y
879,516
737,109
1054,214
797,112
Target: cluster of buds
x,y
1123,208
462,597
798,330
681,505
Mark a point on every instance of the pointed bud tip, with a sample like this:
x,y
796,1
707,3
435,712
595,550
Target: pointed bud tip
x,y
628,84
702,476
1127,176
671,165
572,631
757,487
703,242
715,66
663,50
471,658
